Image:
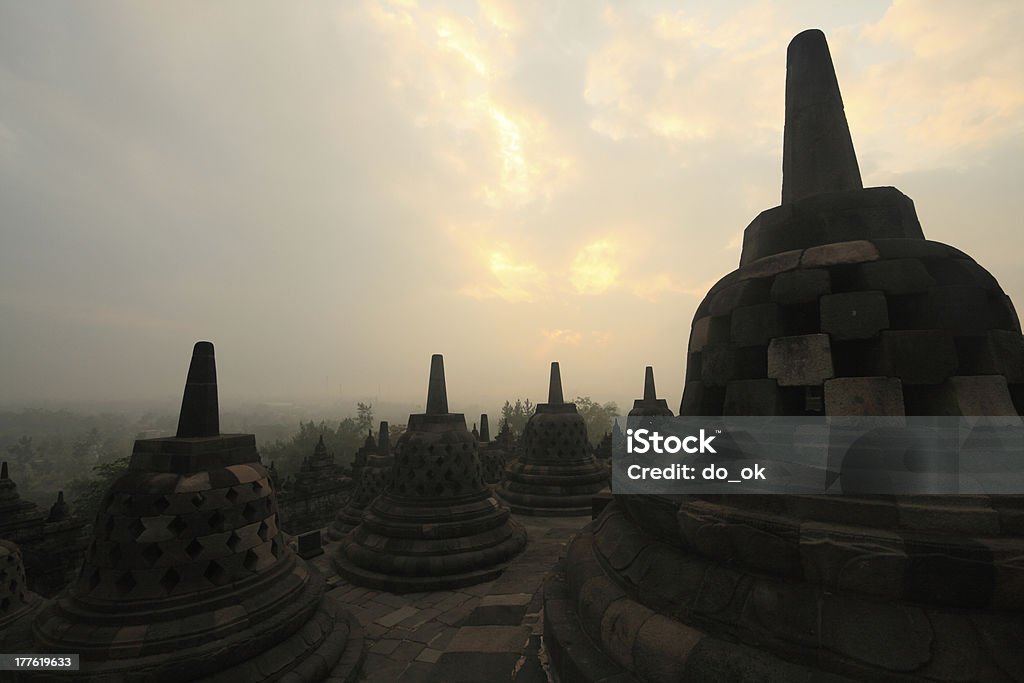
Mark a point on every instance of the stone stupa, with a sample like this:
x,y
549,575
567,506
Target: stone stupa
x,y
492,455
438,526
18,604
188,576
650,405
840,307
374,479
557,474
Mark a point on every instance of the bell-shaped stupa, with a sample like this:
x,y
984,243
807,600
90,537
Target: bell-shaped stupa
x,y
437,526
840,307
650,405
492,454
374,479
557,473
188,576
18,604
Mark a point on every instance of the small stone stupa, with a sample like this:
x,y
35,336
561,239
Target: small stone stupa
x,y
840,307
374,479
650,405
438,526
556,475
18,604
188,576
51,546
492,455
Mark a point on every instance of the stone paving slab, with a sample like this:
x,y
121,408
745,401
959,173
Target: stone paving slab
x,y
478,634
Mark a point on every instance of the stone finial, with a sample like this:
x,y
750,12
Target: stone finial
x,y
320,445
383,439
485,430
817,150
649,393
200,415
555,386
475,433
3,471
59,511
437,392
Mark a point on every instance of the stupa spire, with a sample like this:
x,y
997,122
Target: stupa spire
x,y
437,392
649,393
3,471
383,439
555,386
485,431
200,415
817,150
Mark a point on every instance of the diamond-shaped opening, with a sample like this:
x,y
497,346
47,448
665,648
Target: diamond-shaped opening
x,y
115,555
233,540
264,531
198,500
5,603
125,584
251,560
161,504
257,487
152,553
194,548
275,549
216,574
231,495
249,512
215,520
177,526
12,587
170,579
137,527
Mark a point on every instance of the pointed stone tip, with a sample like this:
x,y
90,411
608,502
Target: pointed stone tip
x,y
437,391
321,441
200,415
383,438
485,430
555,385
3,471
60,496
817,150
649,392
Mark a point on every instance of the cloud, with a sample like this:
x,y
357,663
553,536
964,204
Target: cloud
x,y
595,268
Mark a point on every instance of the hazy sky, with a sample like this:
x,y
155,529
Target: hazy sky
x,y
331,192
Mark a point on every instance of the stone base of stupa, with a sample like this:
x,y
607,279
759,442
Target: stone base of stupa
x,y
789,588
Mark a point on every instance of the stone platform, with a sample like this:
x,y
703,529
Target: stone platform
x,y
483,633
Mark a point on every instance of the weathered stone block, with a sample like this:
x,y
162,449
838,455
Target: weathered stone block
x,y
864,396
855,315
800,286
755,325
743,293
896,276
709,330
856,251
771,265
718,365
701,400
983,395
1008,350
918,356
752,397
964,309
804,360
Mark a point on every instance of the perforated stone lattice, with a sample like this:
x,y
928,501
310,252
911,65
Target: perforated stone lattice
x,y
151,545
13,589
556,438
429,465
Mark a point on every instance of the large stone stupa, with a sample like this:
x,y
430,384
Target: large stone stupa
x,y
437,526
188,576
840,307
557,474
